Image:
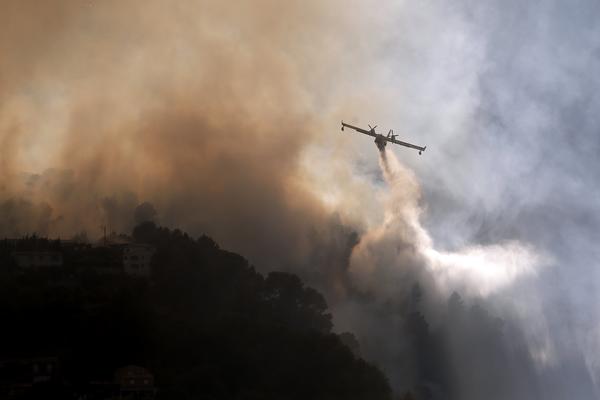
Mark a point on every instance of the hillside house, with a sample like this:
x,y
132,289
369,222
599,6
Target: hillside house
x,y
38,258
136,258
135,382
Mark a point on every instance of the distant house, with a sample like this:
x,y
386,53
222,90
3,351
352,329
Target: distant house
x,y
74,245
38,259
106,258
136,258
135,382
18,376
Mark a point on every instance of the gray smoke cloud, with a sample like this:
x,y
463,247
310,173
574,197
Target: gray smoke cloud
x,y
528,173
222,119
505,92
435,343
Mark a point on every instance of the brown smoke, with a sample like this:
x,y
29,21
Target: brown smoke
x,y
201,108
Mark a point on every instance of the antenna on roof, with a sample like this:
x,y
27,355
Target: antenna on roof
x,y
104,233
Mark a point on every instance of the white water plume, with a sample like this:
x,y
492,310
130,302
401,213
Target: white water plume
x,y
401,241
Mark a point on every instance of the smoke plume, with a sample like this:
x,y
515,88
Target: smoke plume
x,y
200,109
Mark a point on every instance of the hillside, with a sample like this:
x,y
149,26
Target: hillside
x,y
205,324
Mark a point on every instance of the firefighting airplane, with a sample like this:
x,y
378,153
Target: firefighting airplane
x,y
380,140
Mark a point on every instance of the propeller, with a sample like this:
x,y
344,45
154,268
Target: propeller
x,y
372,127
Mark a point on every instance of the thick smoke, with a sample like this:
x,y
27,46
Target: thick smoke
x,y
201,109
219,118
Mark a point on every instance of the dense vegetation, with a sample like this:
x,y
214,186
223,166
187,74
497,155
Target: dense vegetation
x,y
206,324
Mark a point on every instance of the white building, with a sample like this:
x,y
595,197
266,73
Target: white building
x,y
136,258
38,259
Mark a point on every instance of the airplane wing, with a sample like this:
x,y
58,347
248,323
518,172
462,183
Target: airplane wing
x,y
401,143
366,132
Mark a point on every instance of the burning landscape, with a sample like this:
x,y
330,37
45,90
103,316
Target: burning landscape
x,y
182,218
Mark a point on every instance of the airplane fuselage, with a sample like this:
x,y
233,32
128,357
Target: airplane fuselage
x,y
381,142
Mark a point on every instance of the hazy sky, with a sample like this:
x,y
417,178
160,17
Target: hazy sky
x,y
226,118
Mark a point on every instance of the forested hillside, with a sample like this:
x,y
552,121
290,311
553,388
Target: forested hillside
x,y
206,324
